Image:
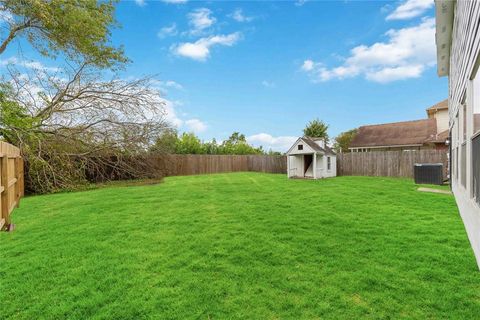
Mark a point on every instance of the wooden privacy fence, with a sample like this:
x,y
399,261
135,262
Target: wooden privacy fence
x,y
387,163
179,165
11,181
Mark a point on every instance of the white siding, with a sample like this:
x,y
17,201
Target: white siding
x,y
464,54
322,169
464,50
442,120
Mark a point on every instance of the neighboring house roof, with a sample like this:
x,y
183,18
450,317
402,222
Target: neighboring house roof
x,y
439,138
314,145
407,133
443,136
439,106
442,105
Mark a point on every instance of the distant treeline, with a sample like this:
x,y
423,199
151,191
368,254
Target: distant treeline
x,y
188,143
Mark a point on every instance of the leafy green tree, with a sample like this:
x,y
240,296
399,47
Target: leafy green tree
x,y
78,28
316,129
166,142
189,143
343,140
274,153
236,138
237,144
15,120
211,147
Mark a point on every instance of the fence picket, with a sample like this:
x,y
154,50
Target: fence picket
x,y
387,163
11,181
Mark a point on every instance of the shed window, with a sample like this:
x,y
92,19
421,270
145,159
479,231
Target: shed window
x,y
329,163
300,147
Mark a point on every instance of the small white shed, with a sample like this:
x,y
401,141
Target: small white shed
x,y
311,158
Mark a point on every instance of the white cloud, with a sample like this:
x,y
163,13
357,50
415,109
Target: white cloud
x,y
168,31
140,3
406,54
195,125
268,142
239,16
268,84
410,9
396,73
175,1
6,16
170,113
300,3
200,49
172,84
308,65
200,19
165,85
28,64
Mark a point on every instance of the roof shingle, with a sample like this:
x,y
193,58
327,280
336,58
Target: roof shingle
x,y
439,106
405,133
316,147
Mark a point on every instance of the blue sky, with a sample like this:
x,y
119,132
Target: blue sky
x,y
266,68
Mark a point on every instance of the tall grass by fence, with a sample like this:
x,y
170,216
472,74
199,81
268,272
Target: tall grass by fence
x,y
11,181
387,163
180,165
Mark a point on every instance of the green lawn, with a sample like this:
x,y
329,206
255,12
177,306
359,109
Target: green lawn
x,y
240,246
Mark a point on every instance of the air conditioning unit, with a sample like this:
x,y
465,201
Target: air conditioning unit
x,y
428,173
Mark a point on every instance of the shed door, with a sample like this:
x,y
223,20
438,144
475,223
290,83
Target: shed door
x,y
307,161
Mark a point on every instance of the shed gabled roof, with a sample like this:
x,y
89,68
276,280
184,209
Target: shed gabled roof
x,y
407,133
314,145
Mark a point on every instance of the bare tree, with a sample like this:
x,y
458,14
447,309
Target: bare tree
x,y
81,126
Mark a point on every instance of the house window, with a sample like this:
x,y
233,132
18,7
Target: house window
x,y
475,183
463,164
300,147
455,164
329,163
455,142
476,168
476,106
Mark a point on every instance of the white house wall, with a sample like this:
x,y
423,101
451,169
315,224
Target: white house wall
x,y
464,53
442,118
464,50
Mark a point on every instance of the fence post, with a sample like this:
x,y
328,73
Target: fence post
x,y
5,219
17,183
